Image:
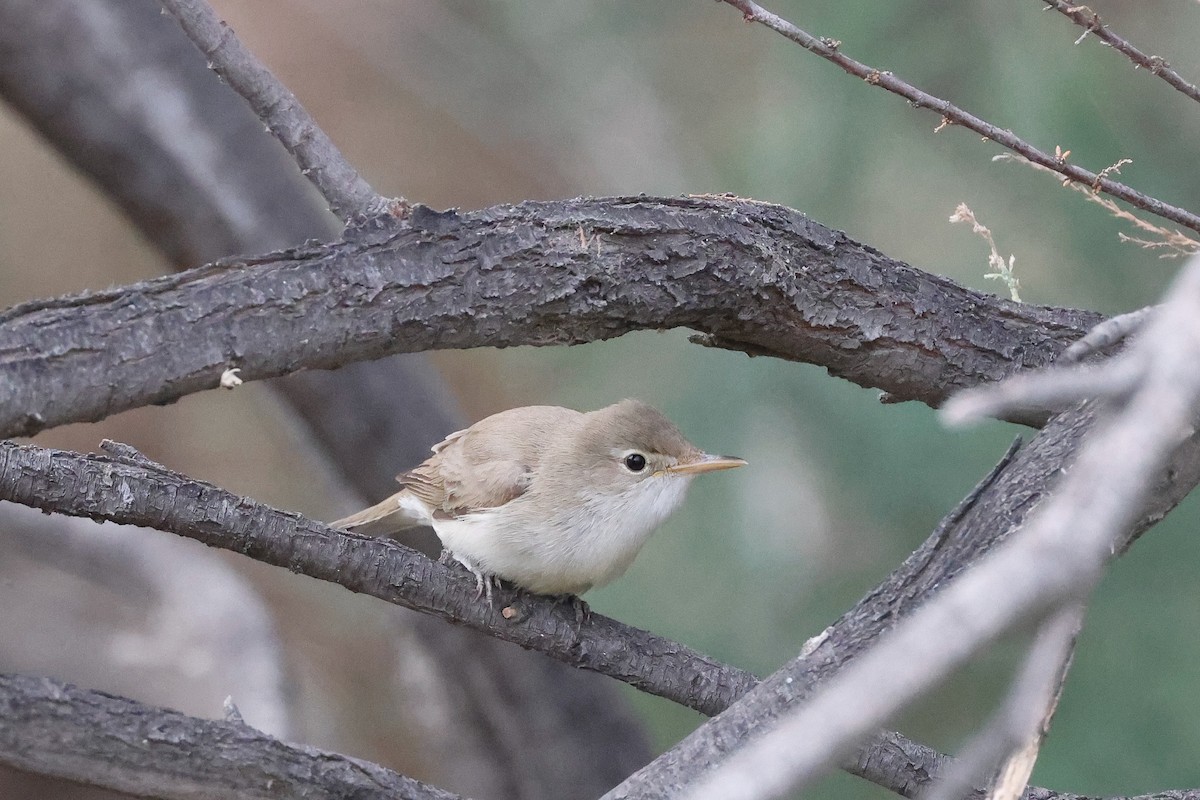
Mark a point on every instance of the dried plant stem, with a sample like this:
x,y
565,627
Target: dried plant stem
x,y
1001,270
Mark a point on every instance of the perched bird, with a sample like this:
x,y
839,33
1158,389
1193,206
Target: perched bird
x,y
553,500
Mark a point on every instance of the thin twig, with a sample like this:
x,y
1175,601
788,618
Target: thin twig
x,y
1054,389
1105,334
1012,780
348,195
952,114
1092,24
1175,242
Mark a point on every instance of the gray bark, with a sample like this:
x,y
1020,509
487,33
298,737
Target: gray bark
x,y
752,276
56,729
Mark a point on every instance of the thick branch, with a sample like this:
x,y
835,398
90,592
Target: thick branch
x,y
758,277
1058,555
132,493
94,738
187,161
141,494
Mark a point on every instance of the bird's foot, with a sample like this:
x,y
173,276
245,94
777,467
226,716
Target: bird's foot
x,y
484,583
578,605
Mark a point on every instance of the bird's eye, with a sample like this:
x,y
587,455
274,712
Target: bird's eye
x,y
635,462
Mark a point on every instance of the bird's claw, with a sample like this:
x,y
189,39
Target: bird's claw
x,y
484,583
582,610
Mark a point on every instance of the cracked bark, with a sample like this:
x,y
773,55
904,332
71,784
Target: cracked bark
x,y
137,493
58,729
753,276
146,494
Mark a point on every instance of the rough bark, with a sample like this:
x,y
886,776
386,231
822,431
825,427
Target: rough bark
x,y
753,276
97,486
856,333
94,738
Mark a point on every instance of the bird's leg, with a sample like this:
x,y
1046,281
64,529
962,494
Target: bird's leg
x,y
484,583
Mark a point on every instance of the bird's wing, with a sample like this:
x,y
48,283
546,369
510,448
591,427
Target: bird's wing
x,y
466,473
451,494
489,464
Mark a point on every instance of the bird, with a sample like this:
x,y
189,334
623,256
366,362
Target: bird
x,y
552,500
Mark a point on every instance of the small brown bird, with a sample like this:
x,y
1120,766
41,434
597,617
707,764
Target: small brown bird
x,y
554,500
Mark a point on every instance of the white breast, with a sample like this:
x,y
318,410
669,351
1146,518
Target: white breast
x,y
570,550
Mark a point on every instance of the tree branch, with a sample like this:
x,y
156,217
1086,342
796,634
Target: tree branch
x,y
735,343
827,49
97,739
1091,23
1008,744
758,277
134,493
1105,335
319,158
49,727
186,160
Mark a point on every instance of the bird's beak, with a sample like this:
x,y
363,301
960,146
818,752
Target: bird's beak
x,y
705,463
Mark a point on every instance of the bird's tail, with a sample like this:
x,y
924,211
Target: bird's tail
x,y
385,518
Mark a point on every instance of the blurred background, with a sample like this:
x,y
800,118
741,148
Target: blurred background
x,y
467,104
